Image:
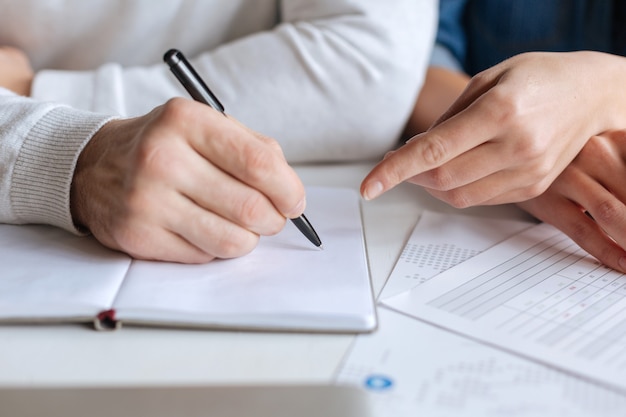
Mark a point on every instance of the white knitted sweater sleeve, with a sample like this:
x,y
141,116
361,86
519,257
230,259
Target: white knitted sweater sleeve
x,y
39,146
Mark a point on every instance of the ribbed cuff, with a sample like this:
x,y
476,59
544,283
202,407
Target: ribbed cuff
x,y
41,181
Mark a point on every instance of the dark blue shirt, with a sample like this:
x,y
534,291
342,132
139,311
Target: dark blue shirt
x,y
476,34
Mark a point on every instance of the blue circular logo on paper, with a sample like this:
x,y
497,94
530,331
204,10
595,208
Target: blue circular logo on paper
x,y
378,382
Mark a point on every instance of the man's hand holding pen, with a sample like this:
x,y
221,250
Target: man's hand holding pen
x,y
197,88
184,184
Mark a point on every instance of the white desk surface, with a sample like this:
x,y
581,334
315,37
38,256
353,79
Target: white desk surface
x,y
61,355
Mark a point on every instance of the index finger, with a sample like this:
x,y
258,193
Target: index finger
x,y
257,162
453,137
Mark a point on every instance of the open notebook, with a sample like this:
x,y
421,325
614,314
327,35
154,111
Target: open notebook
x,y
286,283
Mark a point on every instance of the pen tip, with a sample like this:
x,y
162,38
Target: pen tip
x,y
321,246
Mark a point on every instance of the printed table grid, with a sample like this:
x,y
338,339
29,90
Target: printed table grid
x,y
554,294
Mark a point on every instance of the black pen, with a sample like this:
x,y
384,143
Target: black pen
x,y
199,91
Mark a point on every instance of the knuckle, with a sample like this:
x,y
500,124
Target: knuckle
x,y
440,178
235,243
505,107
433,150
578,231
179,112
154,158
508,112
258,165
175,109
531,147
275,225
606,211
249,213
459,199
272,144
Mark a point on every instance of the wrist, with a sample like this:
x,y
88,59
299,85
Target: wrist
x,y
611,106
83,200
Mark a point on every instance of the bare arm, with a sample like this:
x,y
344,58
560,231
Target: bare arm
x,y
16,74
442,86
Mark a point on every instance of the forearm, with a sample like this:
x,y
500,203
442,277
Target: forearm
x,y
16,74
441,88
610,76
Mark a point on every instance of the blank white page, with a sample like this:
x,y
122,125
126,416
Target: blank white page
x,y
286,283
49,274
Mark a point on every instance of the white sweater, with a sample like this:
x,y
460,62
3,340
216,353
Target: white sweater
x,y
329,79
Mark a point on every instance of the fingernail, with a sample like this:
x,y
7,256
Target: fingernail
x,y
373,190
